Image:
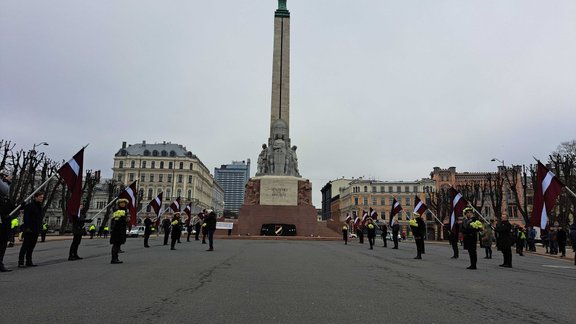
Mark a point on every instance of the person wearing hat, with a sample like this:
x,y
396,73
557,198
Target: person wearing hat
x,y
210,228
166,228
371,231
505,240
419,231
119,224
470,228
176,229
77,229
345,233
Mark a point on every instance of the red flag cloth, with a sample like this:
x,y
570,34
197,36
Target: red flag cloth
x,y
458,205
373,214
419,206
188,209
548,188
71,173
130,193
156,204
396,208
348,218
364,216
175,205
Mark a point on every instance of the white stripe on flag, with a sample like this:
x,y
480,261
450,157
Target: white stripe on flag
x,y
543,217
418,206
74,166
131,194
456,200
546,182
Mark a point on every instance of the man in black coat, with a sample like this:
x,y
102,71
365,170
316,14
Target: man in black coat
x,y
6,207
119,223
453,238
147,230
77,231
470,236
395,231
384,229
371,231
419,231
166,228
33,219
210,228
504,242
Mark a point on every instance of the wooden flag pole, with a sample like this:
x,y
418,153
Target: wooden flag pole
x,y
30,196
435,217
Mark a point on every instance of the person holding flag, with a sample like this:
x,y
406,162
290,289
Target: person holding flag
x,y
77,231
176,229
396,208
119,224
458,205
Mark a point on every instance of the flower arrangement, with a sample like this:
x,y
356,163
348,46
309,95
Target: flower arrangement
x,y
413,223
476,225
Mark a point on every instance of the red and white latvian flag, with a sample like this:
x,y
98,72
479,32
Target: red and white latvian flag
x,y
71,173
356,222
364,216
188,209
396,208
156,205
130,193
373,214
548,188
458,205
175,205
419,206
348,217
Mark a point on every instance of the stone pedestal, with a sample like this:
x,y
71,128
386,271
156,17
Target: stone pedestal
x,y
278,200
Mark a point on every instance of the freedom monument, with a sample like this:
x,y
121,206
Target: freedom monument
x,y
278,201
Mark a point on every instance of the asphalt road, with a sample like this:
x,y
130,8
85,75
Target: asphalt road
x,y
260,281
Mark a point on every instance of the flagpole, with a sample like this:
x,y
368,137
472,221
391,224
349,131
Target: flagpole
x,y
435,217
106,207
477,212
32,194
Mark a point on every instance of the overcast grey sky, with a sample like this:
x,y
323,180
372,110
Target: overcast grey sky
x,y
381,89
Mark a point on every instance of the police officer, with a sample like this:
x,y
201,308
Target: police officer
x,y
147,230
371,228
14,228
44,231
119,224
395,230
345,233
176,230
92,231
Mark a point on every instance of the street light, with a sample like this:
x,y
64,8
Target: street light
x,y
495,159
41,143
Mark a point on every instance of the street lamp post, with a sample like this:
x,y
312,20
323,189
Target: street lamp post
x,y
39,144
498,160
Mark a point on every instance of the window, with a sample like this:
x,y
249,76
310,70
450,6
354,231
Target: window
x,y
191,166
374,201
58,221
143,164
100,204
383,201
391,201
356,201
181,165
161,164
154,153
146,153
119,178
398,189
164,153
153,164
365,201
150,193
151,177
179,193
148,208
180,178
407,201
121,164
373,189
169,178
381,188
365,188
399,215
142,177
415,189
189,194
189,179
168,192
99,222
390,189
160,177
172,153
131,176
170,165
406,188
132,164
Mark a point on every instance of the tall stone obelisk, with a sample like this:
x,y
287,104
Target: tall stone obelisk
x,y
278,201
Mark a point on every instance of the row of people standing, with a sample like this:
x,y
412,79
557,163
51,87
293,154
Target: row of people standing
x,y
204,222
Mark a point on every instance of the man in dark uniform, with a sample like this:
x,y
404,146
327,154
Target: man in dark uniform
x,y
345,233
176,230
6,207
211,228
371,229
77,231
470,236
166,228
147,230
197,221
119,225
453,238
33,218
395,231
504,241
384,229
419,231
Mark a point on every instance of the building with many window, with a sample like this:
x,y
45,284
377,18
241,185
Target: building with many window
x,y
233,178
167,168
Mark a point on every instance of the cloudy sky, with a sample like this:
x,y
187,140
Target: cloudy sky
x,y
381,89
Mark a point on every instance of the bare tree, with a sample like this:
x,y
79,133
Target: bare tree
x,y
563,164
439,202
495,183
474,192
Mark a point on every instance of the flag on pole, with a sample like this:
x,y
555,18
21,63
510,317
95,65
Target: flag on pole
x,y
188,209
130,193
348,217
419,206
356,222
458,205
396,208
175,205
364,216
71,173
156,205
373,214
548,188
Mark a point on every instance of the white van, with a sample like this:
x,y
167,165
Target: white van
x,y
135,231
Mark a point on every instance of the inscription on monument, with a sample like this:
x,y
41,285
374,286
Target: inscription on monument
x,y
280,191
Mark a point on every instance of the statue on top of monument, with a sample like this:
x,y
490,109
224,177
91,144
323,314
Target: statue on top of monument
x,y
263,160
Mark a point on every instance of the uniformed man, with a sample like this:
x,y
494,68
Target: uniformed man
x,y
395,231
371,228
176,229
77,231
384,229
197,222
44,231
166,228
6,207
92,230
345,233
119,224
33,219
147,230
418,229
470,231
14,228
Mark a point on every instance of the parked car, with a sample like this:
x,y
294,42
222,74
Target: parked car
x,y
135,231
